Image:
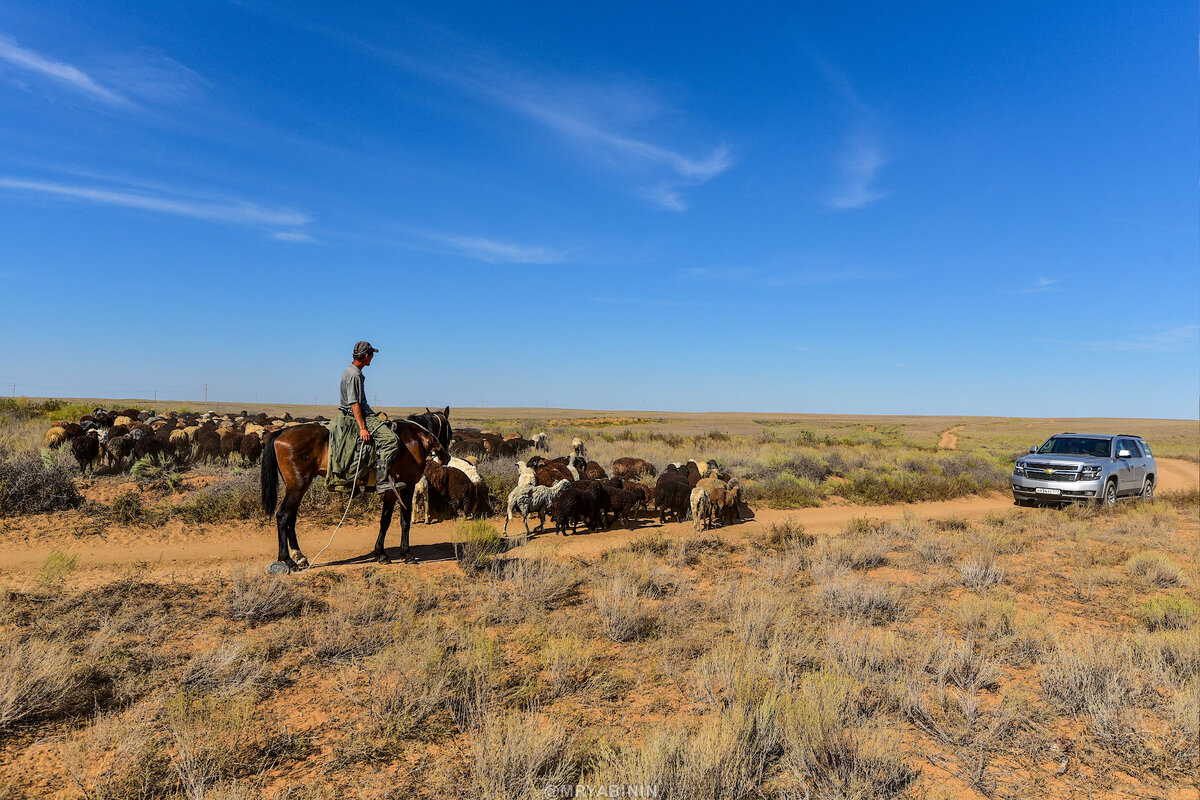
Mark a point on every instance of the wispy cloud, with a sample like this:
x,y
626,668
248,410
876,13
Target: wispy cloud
x,y
600,120
862,155
858,165
59,72
232,211
298,237
492,251
1164,340
1039,286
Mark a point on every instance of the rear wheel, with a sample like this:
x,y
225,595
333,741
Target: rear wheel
x,y
1147,495
1110,494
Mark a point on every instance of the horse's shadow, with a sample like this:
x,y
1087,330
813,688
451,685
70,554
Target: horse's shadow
x,y
438,551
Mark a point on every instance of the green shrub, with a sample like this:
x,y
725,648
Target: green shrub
x,y
1171,612
238,497
477,544
784,490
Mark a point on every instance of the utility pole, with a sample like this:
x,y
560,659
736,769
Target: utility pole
x,y
205,395
156,395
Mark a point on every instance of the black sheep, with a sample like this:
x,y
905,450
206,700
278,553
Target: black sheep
x,y
251,448
672,493
570,508
86,449
624,503
600,501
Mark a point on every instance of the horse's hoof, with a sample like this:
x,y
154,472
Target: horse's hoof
x,y
382,558
279,568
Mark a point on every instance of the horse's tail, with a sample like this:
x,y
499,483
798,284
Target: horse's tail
x,y
270,475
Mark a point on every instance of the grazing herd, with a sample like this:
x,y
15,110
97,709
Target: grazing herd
x,y
115,440
571,490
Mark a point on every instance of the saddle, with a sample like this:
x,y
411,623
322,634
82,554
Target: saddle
x,y
343,450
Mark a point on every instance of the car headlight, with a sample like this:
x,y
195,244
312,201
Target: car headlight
x,y
1018,468
1090,473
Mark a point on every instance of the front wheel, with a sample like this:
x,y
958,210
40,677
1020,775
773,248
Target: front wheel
x,y
1147,495
1110,494
1023,502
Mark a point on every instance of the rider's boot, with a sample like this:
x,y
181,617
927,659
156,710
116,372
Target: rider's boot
x,y
384,482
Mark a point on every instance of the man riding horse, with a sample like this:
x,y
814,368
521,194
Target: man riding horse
x,y
371,428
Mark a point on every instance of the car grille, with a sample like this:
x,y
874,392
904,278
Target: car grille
x,y
1048,472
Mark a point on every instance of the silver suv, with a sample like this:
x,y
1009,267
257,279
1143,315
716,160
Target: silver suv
x,y
1085,468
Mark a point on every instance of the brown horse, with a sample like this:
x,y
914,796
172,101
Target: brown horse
x,y
301,453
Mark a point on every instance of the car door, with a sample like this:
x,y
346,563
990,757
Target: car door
x,y
1137,464
1126,479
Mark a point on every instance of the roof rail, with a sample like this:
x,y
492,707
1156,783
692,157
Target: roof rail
x,y
1130,435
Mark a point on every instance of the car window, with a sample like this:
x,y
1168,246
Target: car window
x,y
1133,448
1126,444
1146,450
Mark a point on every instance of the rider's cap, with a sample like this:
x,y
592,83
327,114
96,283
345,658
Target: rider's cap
x,y
363,349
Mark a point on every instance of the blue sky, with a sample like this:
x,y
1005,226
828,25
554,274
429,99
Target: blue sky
x,y
867,208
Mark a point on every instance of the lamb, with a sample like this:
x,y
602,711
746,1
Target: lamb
x,y
533,500
627,467
540,443
701,507
577,448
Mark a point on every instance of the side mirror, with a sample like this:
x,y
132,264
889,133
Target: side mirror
x,y
1033,449
1124,454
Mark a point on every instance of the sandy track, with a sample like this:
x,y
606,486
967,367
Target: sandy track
x,y
949,440
173,548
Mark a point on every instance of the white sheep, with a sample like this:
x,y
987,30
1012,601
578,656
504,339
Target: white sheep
x,y
533,500
526,476
701,506
540,443
578,449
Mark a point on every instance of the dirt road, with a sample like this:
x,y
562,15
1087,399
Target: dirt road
x,y
172,548
949,440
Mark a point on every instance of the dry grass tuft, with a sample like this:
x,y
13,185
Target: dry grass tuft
x,y
979,570
851,596
1153,569
41,678
258,598
622,608
517,756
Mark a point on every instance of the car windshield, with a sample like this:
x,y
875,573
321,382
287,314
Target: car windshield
x,y
1076,446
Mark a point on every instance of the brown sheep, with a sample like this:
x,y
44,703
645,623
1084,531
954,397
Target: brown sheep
x,y
451,489
55,438
628,467
549,474
251,448
594,471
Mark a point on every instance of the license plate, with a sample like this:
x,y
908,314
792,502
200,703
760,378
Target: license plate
x,y
1040,490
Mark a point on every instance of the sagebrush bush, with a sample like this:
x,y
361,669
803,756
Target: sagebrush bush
x,y
622,608
238,497
33,484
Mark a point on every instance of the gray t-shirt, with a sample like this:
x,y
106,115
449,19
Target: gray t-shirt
x,y
354,391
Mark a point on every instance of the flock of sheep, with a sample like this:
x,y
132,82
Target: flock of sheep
x,y
571,490
115,440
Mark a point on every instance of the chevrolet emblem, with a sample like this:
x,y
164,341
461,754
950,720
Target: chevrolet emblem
x,y
1049,470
